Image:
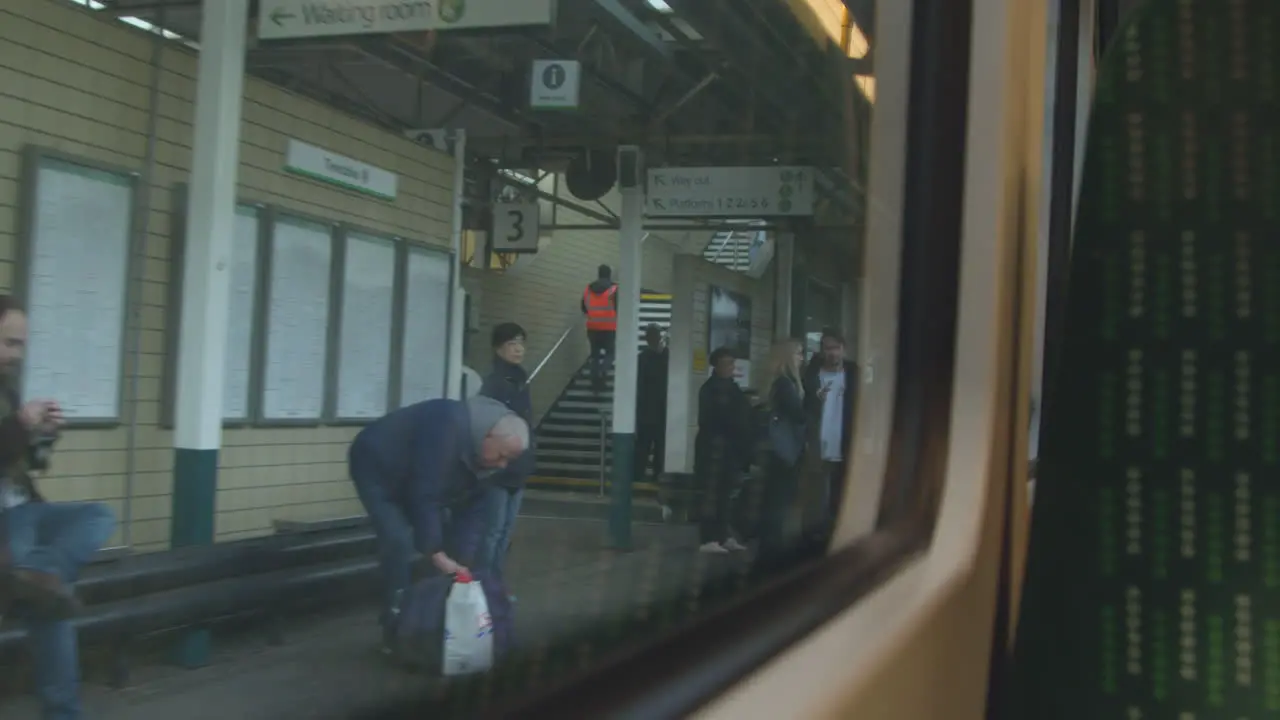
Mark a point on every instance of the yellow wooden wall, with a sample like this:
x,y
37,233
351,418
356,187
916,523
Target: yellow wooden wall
x,y
78,83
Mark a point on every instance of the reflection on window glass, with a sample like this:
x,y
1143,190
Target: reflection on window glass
x,y
659,401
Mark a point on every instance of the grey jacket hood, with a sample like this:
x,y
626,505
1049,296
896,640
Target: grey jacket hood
x,y
484,412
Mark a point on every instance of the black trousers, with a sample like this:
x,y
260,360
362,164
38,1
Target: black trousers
x,y
603,344
834,471
719,474
781,488
650,440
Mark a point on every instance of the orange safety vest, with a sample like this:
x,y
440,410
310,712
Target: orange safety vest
x,y
601,314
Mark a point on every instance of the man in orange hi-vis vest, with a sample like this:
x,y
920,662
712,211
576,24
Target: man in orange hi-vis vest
x,y
600,305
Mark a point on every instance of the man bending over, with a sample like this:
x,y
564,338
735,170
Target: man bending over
x,y
415,463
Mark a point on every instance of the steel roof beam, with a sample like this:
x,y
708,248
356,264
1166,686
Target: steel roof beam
x,y
609,222
419,68
623,18
614,13
729,34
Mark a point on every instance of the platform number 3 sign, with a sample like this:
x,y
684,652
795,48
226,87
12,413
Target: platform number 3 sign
x,y
515,227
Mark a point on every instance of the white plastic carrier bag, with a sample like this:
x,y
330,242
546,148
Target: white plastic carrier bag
x,y
468,629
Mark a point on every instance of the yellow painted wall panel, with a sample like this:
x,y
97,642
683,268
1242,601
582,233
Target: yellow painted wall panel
x,y
79,83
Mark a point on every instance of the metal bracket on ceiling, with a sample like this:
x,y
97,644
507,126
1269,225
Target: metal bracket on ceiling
x,y
609,222
692,93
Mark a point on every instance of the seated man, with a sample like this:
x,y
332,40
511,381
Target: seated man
x,y
415,463
42,544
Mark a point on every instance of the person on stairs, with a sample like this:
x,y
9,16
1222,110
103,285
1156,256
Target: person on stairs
x,y
600,306
414,464
651,404
42,544
508,383
722,451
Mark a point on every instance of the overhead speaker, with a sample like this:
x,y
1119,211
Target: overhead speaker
x,y
591,174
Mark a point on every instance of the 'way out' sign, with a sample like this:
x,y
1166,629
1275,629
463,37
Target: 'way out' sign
x,y
320,164
279,19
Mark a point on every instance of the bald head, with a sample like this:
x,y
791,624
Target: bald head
x,y
507,440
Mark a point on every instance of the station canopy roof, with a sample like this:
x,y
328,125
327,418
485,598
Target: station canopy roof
x,y
694,82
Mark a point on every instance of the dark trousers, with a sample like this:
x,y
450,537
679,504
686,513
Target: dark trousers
x,y
650,439
834,472
781,486
603,343
464,526
719,475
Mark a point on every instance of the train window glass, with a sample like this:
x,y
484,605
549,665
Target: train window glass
x,y
664,418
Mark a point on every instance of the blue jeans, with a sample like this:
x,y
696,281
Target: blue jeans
x,y
56,538
501,507
394,536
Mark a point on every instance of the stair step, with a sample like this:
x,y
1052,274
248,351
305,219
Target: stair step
x,y
561,426
592,455
586,470
568,441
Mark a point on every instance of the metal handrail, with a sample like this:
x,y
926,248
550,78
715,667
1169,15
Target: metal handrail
x,y
606,417
724,240
542,363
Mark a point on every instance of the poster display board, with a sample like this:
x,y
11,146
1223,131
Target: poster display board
x,y
298,290
76,251
364,346
426,326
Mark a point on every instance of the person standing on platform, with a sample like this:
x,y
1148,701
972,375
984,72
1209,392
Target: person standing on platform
x,y
508,383
42,544
786,430
722,451
600,305
412,465
651,403
831,384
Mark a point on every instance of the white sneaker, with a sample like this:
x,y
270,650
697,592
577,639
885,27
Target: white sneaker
x,y
713,548
734,545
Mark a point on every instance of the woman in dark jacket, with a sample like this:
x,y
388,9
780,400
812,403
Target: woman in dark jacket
x,y
507,383
787,445
722,450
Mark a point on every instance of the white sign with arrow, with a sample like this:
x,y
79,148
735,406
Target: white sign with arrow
x,y
280,19
750,192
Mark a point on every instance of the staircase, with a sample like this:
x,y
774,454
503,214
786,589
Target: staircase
x,y
731,249
569,436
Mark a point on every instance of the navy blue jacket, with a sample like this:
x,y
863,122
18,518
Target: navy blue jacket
x,y
424,456
508,383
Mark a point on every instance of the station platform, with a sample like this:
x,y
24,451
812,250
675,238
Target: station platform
x,y
577,599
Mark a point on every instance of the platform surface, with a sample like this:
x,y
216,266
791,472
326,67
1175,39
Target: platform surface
x,y
566,580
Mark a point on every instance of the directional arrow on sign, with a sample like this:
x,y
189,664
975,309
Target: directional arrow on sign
x,y
280,15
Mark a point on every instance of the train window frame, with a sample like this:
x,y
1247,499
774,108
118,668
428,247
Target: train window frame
x,y
680,672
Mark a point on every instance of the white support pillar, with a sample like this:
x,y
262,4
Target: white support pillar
x,y
211,207
626,372
626,359
457,302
